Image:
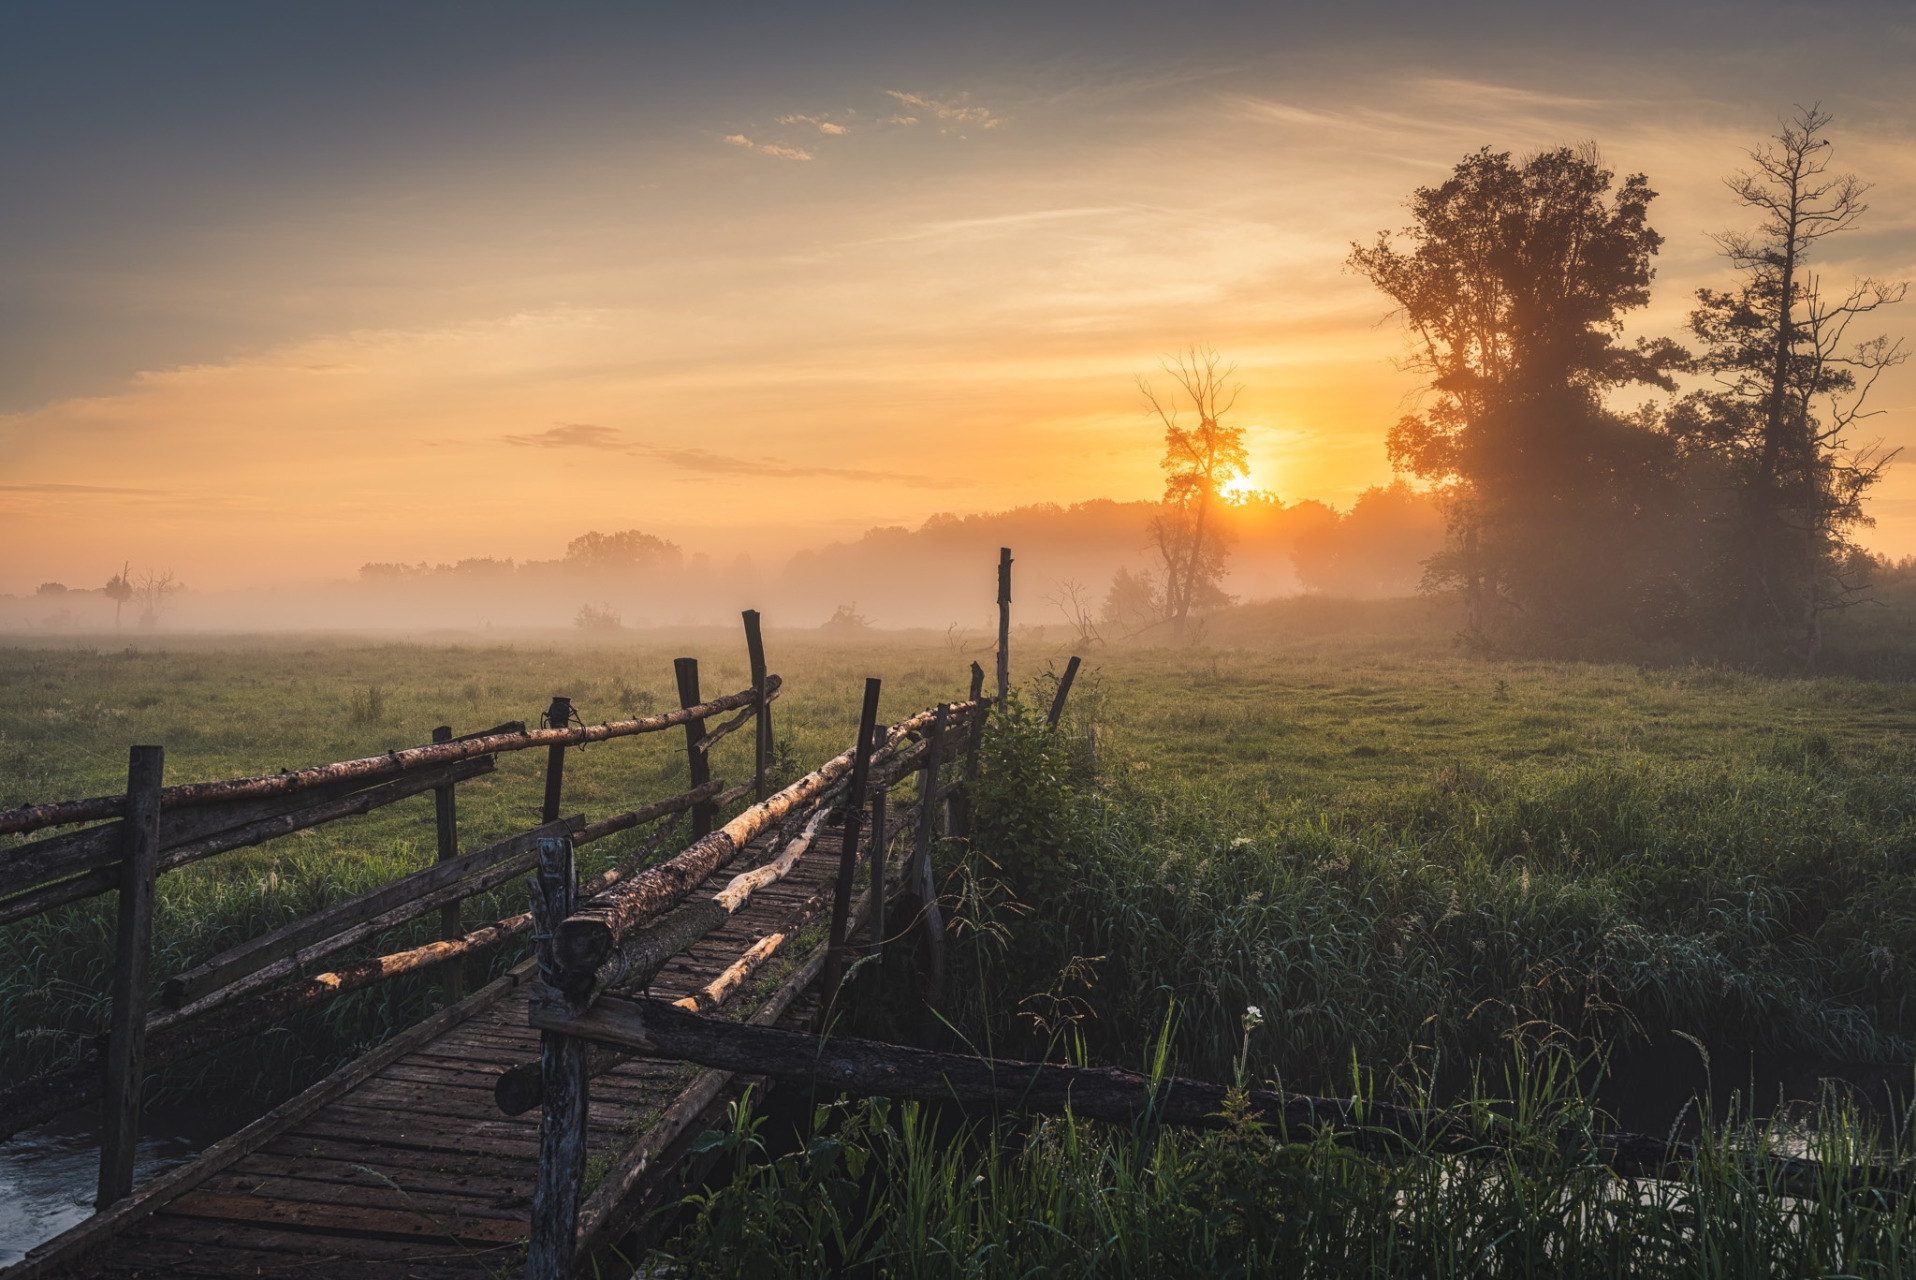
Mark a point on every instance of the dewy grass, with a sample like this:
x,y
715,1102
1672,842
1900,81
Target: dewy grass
x,y
904,1191
1399,855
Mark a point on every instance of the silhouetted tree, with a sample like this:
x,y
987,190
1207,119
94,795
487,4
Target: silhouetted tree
x,y
1511,280
1198,462
119,589
1791,386
628,549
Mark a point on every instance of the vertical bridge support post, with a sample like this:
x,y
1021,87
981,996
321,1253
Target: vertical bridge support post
x,y
854,810
762,737
446,816
562,1081
1004,627
132,944
875,920
974,737
918,878
558,716
700,765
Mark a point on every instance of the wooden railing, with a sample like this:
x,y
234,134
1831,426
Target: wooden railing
x,y
615,940
153,828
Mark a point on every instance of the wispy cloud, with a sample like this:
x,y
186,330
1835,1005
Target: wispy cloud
x,y
569,435
768,148
585,435
703,460
952,111
822,123
76,488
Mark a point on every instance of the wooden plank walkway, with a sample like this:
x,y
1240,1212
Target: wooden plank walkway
x,y
413,1171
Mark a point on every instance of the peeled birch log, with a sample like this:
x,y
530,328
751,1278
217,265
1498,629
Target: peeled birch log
x,y
585,940
33,817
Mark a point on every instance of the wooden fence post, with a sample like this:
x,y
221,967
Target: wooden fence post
x,y
700,765
975,731
875,944
1004,626
558,716
1064,691
848,851
762,749
132,944
446,816
562,1081
918,878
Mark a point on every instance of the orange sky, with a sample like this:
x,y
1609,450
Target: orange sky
x,y
766,323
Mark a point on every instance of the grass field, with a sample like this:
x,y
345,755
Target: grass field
x,y
1410,862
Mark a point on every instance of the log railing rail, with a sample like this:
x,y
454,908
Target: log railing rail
x,y
153,828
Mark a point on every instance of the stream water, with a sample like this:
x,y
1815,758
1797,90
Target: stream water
x,y
48,1174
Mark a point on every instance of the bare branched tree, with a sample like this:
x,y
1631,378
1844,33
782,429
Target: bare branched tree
x,y
1794,384
1073,599
1199,460
154,589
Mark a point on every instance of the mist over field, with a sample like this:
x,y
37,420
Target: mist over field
x,y
1073,565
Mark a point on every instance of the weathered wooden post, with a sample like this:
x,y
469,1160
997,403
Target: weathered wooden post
x,y
1004,626
562,1083
446,816
1064,691
974,736
918,877
558,716
132,945
875,944
854,811
687,671
762,749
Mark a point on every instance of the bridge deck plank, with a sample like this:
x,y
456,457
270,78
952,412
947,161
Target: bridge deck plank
x,y
415,1172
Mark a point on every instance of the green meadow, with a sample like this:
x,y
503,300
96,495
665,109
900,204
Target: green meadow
x,y
1321,845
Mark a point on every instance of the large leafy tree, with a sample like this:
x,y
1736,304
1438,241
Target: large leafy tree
x,y
1512,279
1792,383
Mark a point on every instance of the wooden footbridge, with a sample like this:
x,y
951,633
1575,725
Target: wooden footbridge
x,y
472,1144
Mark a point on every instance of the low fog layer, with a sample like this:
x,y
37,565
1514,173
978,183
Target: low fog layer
x,y
1089,563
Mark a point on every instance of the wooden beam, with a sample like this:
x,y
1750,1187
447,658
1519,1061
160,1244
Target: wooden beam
x,y
646,813
854,812
918,878
686,670
870,1068
292,946
588,936
361,771
1004,627
194,834
564,1085
763,685
1064,691
66,1252
558,716
132,946
445,803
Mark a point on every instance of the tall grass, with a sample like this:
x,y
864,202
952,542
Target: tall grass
x,y
877,1190
1762,903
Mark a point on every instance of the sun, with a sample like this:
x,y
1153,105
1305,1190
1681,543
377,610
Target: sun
x,y
1238,488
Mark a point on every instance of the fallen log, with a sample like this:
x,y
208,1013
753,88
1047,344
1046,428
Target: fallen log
x,y
871,1068
586,939
370,768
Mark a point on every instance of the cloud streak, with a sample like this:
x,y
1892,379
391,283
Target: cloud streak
x,y
953,111
586,435
768,148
